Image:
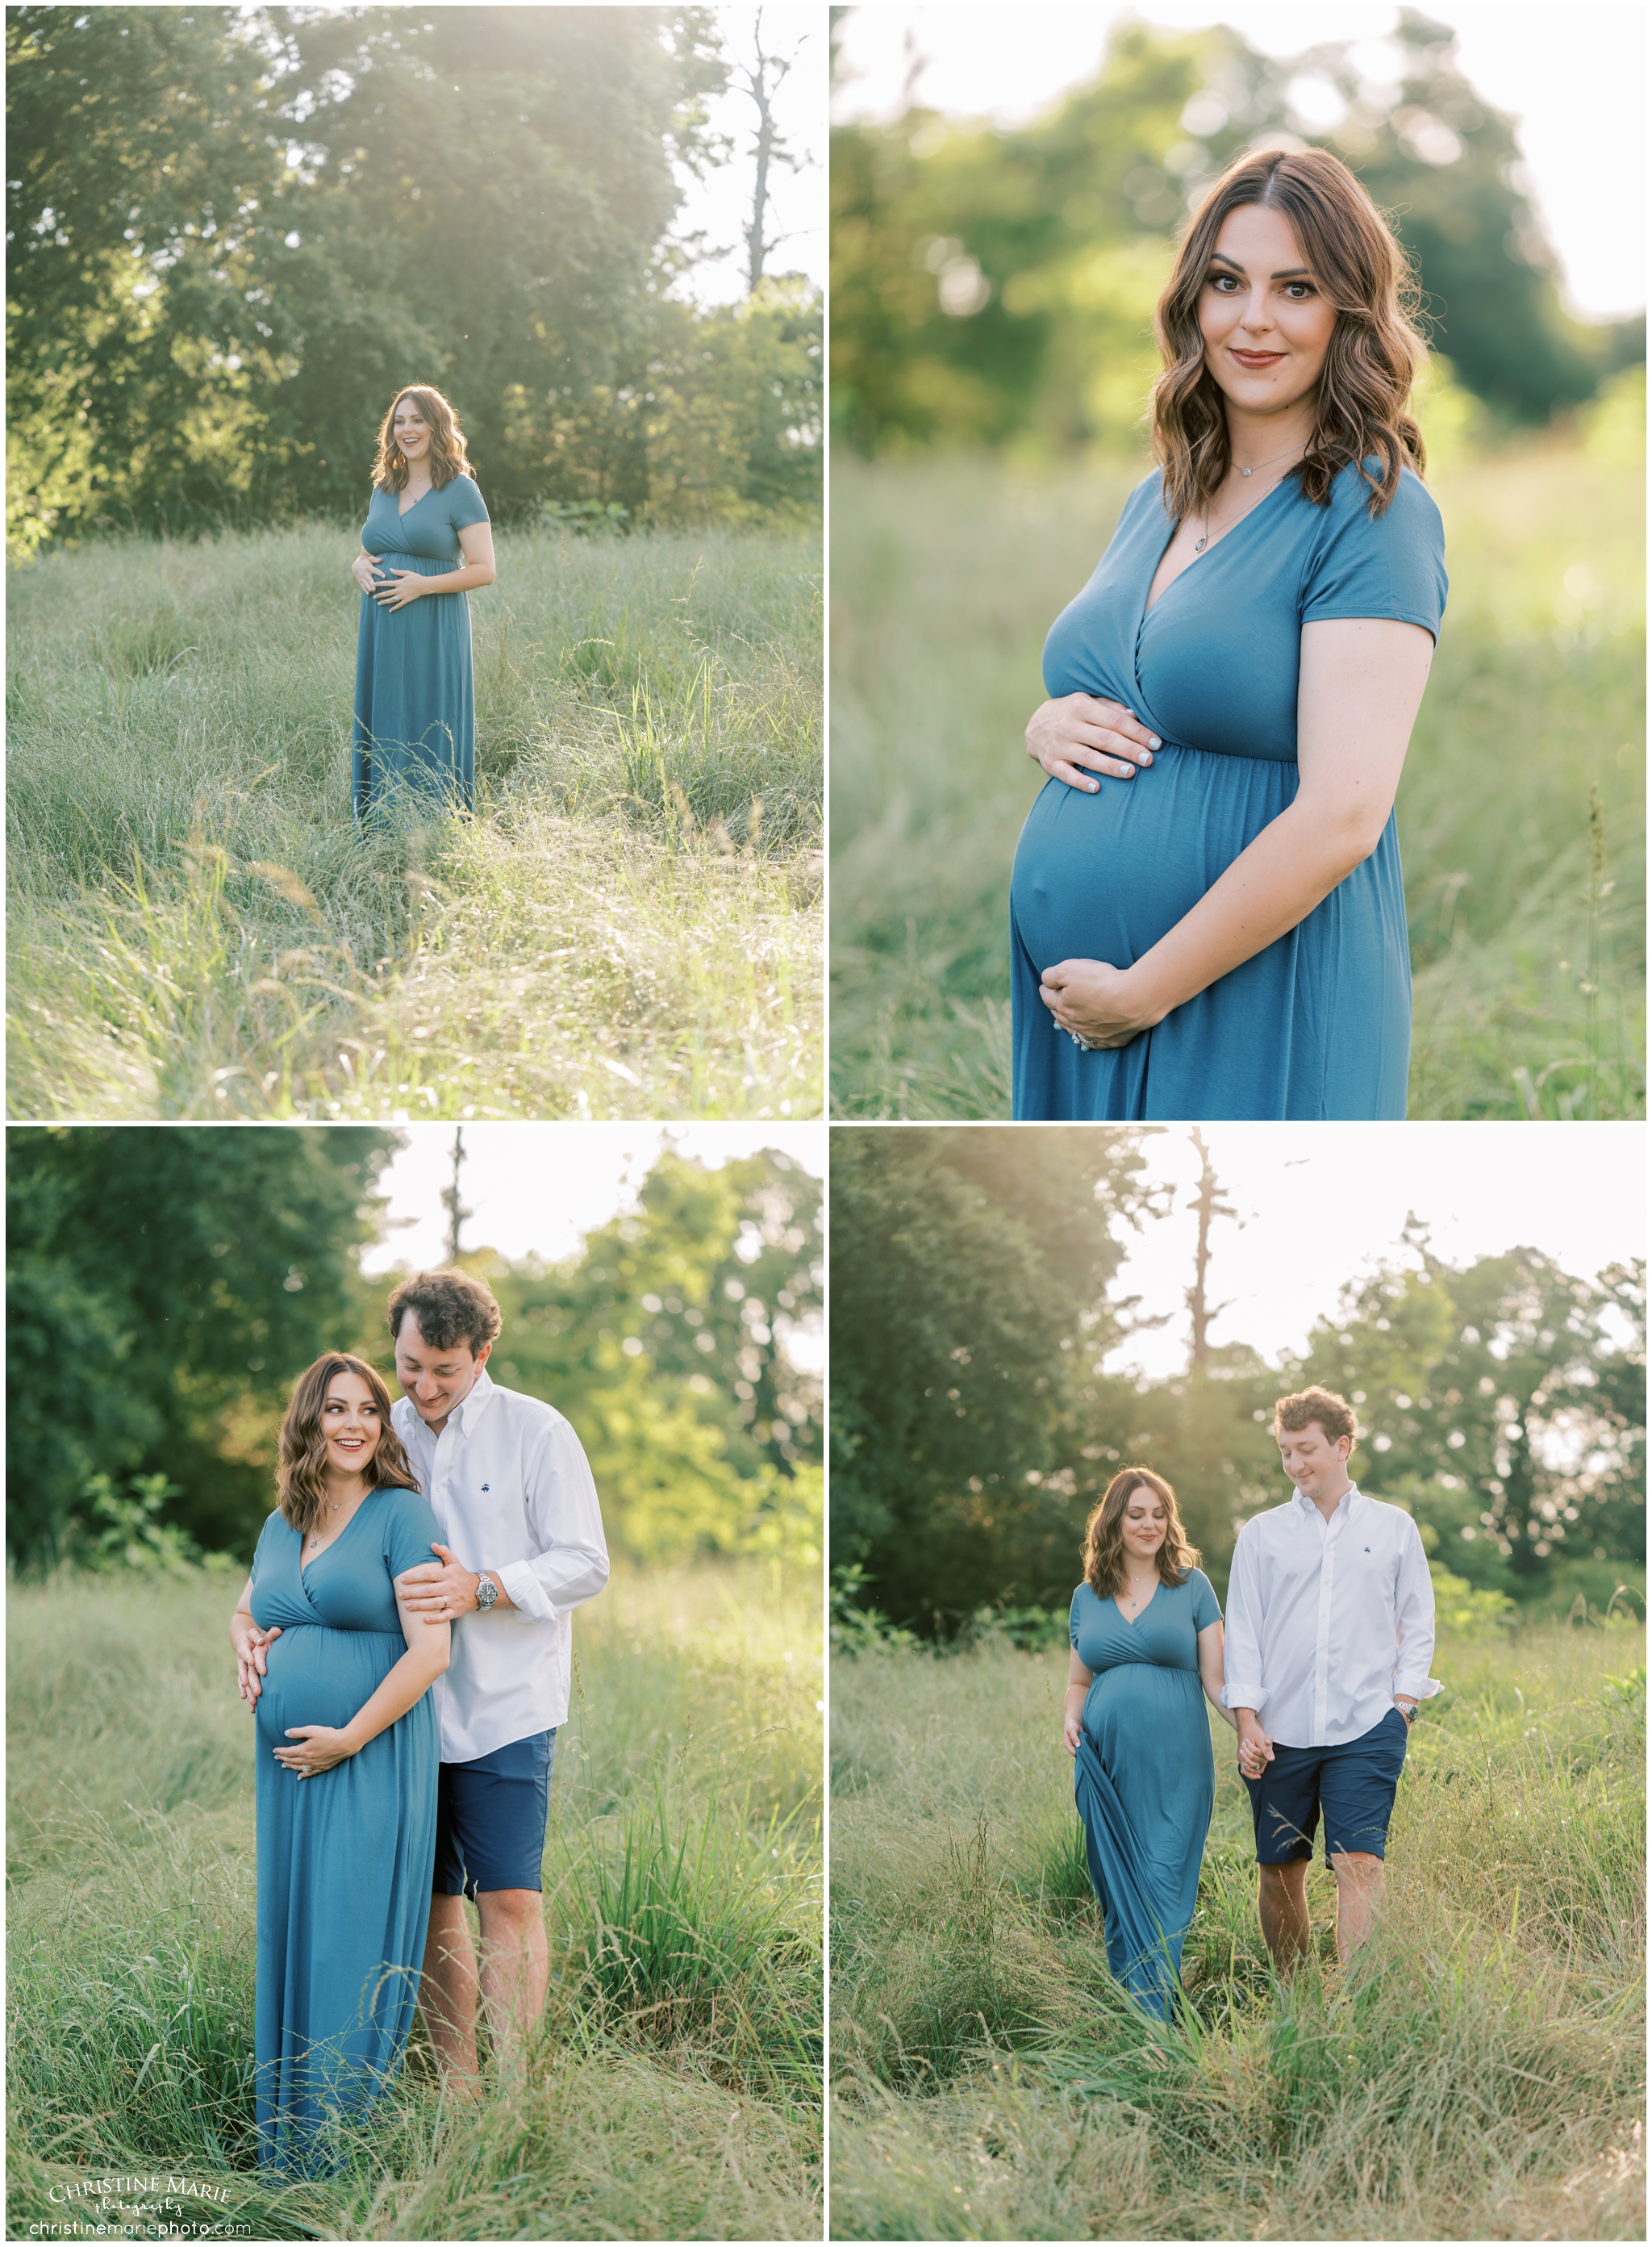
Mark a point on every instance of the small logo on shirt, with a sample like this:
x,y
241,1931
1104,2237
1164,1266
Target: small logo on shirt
x,y
1367,1547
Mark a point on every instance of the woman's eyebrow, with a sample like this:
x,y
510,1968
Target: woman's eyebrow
x,y
1290,273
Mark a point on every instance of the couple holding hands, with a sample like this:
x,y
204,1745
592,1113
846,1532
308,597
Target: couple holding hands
x,y
407,1705
1330,1633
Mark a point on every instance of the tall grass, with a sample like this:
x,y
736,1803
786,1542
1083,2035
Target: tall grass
x,y
1521,813
1477,2073
674,2089
628,928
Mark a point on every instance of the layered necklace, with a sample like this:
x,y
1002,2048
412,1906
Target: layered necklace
x,y
1251,471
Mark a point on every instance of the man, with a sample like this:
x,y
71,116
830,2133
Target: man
x,y
512,1495
1330,1631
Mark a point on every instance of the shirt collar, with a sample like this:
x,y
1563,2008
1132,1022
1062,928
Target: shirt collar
x,y
1352,1497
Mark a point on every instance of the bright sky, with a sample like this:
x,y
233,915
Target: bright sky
x,y
537,1189
1324,1203
719,205
1574,75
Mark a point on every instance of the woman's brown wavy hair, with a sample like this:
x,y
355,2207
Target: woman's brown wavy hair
x,y
1375,350
448,458
300,1469
1104,1544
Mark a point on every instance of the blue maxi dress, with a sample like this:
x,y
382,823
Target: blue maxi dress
x,y
415,721
1145,1778
1319,1024
345,1860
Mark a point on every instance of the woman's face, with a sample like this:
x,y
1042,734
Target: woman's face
x,y
350,1424
1266,326
1144,1523
412,430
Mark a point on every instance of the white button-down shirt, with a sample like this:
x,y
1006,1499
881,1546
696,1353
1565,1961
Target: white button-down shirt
x,y
1326,1622
511,1491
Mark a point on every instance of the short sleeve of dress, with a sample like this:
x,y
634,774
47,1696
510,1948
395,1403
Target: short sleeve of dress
x,y
1394,567
1072,1619
1207,1609
465,503
258,1549
409,1531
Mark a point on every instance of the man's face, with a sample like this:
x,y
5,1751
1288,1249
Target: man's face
x,y
437,1380
1315,1464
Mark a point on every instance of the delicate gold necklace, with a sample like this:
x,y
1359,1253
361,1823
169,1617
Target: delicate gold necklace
x,y
1203,543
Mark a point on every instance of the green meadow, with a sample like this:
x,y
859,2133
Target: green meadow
x,y
628,928
673,2092
1521,812
1478,2072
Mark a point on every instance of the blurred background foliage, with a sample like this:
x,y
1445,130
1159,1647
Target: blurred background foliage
x,y
233,233
972,1426
165,1287
997,287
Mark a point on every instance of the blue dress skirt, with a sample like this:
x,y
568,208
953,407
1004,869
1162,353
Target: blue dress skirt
x,y
1145,1778
1319,1024
415,720
345,1859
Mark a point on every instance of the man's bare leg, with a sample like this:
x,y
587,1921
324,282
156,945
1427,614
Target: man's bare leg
x,y
516,1965
1359,1893
447,1992
1282,1902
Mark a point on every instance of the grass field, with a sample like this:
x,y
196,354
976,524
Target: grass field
x,y
675,2090
1525,910
1477,2074
629,927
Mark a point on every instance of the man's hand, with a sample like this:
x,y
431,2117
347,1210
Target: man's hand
x,y
1255,1748
440,1591
250,1661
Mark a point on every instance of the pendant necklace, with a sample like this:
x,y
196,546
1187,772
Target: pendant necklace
x,y
1285,455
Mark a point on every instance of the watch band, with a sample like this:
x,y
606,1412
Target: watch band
x,y
487,1593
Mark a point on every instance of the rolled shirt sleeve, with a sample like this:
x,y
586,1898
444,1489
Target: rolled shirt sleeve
x,y
560,1496
1242,1685
1414,1622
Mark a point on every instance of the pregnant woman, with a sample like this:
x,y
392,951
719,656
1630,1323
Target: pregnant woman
x,y
426,541
1147,1635
337,1675
1225,936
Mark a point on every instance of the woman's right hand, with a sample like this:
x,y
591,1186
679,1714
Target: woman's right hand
x,y
1072,1728
250,1661
1078,734
361,570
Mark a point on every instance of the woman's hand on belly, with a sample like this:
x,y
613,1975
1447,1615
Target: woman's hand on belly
x,y
399,587
362,569
1078,734
319,1747
1098,1005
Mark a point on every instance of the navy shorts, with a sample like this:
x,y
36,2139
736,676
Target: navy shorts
x,y
490,1818
1353,1785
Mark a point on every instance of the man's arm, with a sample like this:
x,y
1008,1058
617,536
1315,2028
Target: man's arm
x,y
1414,1623
561,1500
1242,1654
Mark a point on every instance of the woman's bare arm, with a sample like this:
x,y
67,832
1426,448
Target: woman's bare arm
x,y
1212,1672
1361,687
1079,1681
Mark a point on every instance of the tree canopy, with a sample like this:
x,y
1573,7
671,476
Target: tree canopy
x,y
990,286
234,233
973,1425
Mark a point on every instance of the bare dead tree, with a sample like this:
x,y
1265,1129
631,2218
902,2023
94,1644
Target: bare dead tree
x,y
1208,1201
761,79
450,1201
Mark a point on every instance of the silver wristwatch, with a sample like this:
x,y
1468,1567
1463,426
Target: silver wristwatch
x,y
487,1593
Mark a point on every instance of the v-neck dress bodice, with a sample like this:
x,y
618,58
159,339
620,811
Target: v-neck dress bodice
x,y
346,1859
415,718
1318,1025
1144,1778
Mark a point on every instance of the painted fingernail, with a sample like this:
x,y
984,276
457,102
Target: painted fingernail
x,y
1154,742
1092,785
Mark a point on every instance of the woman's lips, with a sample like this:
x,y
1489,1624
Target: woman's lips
x,y
1257,359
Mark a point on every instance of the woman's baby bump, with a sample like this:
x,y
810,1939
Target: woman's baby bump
x,y
315,1676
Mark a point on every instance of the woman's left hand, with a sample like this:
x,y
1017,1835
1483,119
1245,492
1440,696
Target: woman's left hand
x,y
406,585
1104,1006
320,1748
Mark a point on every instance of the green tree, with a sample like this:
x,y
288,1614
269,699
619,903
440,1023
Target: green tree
x,y
663,1343
164,1287
968,1272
